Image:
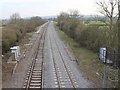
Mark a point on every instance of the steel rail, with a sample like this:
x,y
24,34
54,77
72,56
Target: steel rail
x,y
40,42
64,62
54,63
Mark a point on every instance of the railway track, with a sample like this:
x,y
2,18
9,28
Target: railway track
x,y
63,76
34,77
70,79
47,64
57,79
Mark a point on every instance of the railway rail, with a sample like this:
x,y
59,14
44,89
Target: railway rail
x,y
70,79
63,76
48,64
34,77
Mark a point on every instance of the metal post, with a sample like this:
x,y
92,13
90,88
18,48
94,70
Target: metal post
x,y
104,75
114,64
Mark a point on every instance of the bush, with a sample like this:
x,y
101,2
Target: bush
x,y
89,38
8,39
93,35
16,29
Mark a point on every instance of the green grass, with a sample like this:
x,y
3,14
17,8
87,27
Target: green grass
x,y
88,61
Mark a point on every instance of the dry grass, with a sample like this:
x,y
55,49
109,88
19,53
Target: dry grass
x,y
8,67
7,70
25,41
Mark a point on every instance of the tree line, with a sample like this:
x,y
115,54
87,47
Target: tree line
x,y
16,28
90,34
95,33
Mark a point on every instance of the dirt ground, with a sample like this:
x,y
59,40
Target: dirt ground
x,y
7,68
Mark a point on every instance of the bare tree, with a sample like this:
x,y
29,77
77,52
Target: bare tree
x,y
74,13
119,10
119,42
107,9
15,17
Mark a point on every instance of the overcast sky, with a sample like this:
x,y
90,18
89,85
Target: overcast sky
x,y
28,8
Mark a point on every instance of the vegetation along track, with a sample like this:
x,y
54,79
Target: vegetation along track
x,y
34,77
